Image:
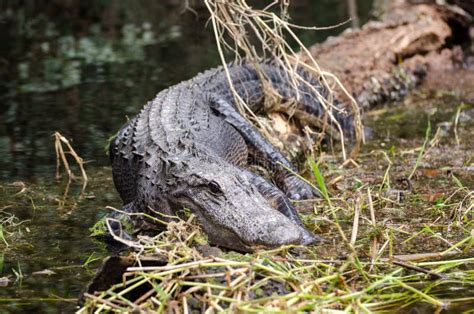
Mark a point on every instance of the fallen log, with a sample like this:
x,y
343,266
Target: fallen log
x,y
383,60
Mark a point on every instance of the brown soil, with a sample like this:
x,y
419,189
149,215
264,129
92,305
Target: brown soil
x,y
459,81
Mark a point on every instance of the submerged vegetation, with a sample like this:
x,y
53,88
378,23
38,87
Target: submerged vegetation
x,y
59,60
65,57
46,255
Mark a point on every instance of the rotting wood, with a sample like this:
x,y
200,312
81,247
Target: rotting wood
x,y
383,60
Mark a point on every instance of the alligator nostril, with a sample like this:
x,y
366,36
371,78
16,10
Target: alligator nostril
x,y
308,238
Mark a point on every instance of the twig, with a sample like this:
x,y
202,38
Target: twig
x,y
61,156
355,225
103,301
419,269
456,122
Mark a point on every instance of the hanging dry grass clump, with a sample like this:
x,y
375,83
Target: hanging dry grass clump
x,y
236,25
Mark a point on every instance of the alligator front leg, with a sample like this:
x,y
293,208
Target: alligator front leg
x,y
274,196
270,156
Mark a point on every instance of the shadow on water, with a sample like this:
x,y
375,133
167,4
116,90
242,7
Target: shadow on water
x,y
82,68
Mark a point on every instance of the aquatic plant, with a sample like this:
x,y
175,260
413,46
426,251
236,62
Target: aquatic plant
x,y
58,59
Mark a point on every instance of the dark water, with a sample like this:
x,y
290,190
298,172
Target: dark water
x,y
80,68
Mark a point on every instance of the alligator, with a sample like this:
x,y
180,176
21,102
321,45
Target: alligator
x,y
190,148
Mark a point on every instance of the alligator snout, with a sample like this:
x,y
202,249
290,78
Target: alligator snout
x,y
291,233
257,233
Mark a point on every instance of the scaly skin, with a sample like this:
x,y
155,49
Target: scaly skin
x,y
189,148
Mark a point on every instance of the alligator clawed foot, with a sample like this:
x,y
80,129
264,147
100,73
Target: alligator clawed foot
x,y
114,226
297,189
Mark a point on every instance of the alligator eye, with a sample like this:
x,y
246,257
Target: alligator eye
x,y
214,187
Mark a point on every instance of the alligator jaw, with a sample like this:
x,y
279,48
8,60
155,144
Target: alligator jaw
x,y
287,233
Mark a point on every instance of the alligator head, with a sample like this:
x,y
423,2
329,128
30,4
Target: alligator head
x,y
230,209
